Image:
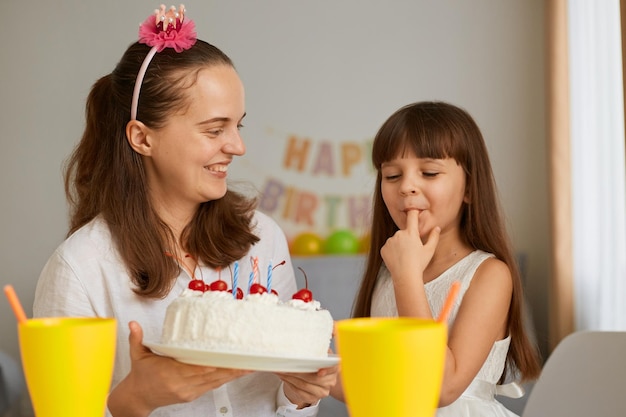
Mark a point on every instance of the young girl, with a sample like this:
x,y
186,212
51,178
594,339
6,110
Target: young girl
x,y
436,220
151,210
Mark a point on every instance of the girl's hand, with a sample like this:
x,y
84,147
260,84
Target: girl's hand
x,y
155,381
405,254
304,389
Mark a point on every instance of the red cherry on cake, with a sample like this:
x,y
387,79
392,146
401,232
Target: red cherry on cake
x,y
257,289
218,285
196,285
304,294
239,294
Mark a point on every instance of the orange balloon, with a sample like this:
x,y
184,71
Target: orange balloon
x,y
307,244
364,243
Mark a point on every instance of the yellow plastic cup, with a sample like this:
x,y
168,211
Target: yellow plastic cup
x,y
68,364
391,366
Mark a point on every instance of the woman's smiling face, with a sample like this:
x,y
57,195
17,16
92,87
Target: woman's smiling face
x,y
190,155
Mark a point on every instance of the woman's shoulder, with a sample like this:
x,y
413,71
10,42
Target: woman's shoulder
x,y
92,238
272,239
96,229
262,223
75,274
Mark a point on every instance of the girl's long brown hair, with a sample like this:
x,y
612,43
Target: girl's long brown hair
x,y
105,176
441,130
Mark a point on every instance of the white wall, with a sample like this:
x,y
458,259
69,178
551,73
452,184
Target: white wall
x,y
324,69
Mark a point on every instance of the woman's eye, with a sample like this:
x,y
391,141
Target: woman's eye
x,y
239,126
430,174
215,132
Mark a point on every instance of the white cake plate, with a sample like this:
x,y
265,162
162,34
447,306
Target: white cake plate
x,y
243,361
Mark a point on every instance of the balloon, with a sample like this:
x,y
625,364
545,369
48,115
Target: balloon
x,y
364,243
341,242
306,244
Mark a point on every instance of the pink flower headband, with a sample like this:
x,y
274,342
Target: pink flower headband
x,y
163,29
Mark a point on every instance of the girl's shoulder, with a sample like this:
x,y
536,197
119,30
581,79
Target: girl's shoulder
x,y
466,271
488,265
492,275
479,256
466,268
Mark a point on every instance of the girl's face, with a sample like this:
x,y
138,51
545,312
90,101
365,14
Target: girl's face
x,y
434,187
190,155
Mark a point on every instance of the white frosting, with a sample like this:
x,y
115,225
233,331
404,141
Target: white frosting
x,y
264,298
259,324
303,305
217,295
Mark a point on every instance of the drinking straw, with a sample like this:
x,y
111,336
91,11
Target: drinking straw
x,y
15,304
447,306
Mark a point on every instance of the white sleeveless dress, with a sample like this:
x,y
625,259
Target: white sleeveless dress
x,y
478,399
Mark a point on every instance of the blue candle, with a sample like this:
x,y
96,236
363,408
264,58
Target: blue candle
x,y
250,281
269,277
235,279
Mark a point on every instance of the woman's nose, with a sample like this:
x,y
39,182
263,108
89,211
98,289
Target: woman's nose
x,y
234,145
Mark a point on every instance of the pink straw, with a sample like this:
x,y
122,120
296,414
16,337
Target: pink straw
x,y
447,306
15,304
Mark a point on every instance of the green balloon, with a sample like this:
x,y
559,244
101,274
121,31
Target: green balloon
x,y
341,242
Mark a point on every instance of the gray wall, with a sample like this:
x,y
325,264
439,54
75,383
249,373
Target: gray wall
x,y
354,62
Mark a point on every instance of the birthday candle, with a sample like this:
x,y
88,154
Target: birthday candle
x,y
269,277
255,269
235,279
251,278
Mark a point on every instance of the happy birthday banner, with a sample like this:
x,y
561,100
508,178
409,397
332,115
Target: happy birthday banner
x,y
319,191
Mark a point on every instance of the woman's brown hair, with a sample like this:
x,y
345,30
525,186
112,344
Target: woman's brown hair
x,y
105,177
441,130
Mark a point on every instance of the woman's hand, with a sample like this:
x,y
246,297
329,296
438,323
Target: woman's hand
x,y
155,381
304,389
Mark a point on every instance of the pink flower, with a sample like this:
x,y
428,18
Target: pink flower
x,y
180,36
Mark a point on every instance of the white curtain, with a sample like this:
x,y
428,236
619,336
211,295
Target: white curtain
x,y
598,173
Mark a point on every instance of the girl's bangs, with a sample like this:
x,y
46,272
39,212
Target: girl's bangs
x,y
436,143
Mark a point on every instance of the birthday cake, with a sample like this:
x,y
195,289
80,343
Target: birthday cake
x,y
258,323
